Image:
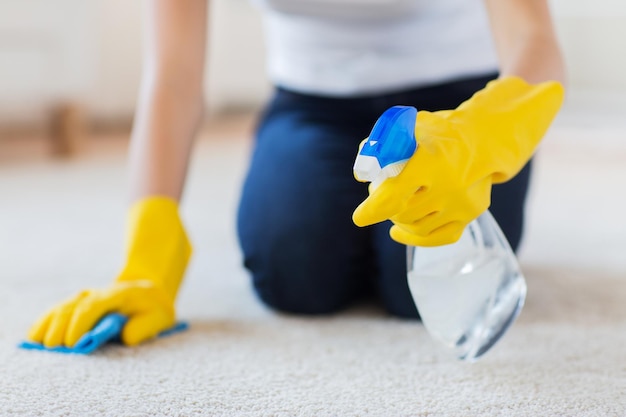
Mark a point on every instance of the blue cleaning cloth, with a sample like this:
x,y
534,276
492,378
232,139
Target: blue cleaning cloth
x,y
107,330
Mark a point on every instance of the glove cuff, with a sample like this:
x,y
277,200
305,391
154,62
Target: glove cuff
x,y
157,245
506,121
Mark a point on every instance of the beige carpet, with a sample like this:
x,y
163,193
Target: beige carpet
x,y
61,227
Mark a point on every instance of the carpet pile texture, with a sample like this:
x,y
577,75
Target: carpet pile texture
x,y
61,227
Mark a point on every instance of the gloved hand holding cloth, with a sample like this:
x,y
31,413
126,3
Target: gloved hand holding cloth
x,y
461,153
158,251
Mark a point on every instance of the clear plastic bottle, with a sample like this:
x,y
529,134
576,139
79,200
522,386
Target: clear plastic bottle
x,y
470,292
467,293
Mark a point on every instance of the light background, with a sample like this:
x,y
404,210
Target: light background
x,y
91,52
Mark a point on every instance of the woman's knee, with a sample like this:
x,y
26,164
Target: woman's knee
x,y
303,270
297,294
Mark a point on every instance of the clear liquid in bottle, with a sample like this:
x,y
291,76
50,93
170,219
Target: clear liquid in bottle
x,y
470,292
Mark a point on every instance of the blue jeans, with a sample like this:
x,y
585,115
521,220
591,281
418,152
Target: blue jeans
x,y
294,222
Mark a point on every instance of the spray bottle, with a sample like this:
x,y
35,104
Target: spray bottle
x,y
468,293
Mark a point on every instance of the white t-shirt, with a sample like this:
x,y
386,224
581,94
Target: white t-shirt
x,y
354,47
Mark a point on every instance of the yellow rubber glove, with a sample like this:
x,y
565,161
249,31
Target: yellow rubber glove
x,y
158,251
447,182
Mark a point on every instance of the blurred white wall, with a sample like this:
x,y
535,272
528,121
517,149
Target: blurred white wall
x,y
593,37
91,51
235,71
45,53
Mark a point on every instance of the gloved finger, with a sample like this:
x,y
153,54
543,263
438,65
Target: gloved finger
x,y
409,217
87,314
57,327
144,326
38,330
418,206
444,235
425,225
385,202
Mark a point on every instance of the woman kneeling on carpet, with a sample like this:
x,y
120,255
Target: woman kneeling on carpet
x,y
337,67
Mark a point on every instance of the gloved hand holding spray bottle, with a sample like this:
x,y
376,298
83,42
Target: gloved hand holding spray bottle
x,y
431,174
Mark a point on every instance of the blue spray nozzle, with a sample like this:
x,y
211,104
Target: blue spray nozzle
x,y
389,146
